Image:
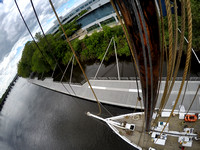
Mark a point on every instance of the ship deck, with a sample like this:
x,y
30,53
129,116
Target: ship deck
x,y
144,139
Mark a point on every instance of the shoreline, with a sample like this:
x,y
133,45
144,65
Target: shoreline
x,y
8,90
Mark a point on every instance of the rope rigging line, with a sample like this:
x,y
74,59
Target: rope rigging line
x,y
66,68
171,83
76,58
137,85
188,76
130,46
180,51
126,35
162,50
175,36
103,58
118,74
36,43
45,37
164,100
138,98
189,49
54,70
31,33
169,68
192,48
34,40
71,71
193,99
49,48
174,59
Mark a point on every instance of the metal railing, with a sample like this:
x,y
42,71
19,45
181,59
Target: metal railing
x,y
131,78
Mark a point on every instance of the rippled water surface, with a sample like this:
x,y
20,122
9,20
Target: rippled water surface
x,y
40,119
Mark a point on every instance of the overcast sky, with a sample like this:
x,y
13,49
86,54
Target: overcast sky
x,y
14,35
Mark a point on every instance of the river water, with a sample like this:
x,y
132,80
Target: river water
x,y
40,119
126,69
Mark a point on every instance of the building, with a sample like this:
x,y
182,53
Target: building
x,y
99,12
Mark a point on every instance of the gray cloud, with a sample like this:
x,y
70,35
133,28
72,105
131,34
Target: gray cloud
x,y
13,33
12,26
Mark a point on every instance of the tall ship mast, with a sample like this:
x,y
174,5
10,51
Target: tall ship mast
x,y
141,22
143,25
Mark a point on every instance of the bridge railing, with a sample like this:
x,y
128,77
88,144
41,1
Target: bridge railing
x,y
132,78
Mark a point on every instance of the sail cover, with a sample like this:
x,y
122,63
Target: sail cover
x,y
141,22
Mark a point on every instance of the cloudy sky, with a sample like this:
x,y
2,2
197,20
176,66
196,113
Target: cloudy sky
x,y
14,35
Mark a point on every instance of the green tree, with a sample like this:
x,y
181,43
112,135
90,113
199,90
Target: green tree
x,y
24,66
39,64
195,7
83,12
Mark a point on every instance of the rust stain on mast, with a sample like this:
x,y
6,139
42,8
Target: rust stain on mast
x,y
146,45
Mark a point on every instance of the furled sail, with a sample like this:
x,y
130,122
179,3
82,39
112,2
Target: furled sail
x,y
141,22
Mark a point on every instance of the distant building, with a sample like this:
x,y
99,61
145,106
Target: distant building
x,y
99,12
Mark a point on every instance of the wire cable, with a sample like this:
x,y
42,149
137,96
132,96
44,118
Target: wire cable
x,y
31,33
99,105
45,37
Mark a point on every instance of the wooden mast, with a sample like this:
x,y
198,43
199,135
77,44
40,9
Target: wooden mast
x,y
141,22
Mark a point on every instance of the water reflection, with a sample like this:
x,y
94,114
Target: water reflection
x,y
109,69
37,118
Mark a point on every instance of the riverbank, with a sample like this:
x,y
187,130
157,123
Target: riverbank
x,y
5,95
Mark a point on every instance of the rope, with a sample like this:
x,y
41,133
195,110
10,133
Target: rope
x,y
162,56
188,76
126,35
180,50
178,59
179,56
70,80
116,59
31,33
138,98
162,51
49,45
193,99
76,57
169,70
66,68
189,48
54,70
176,35
103,58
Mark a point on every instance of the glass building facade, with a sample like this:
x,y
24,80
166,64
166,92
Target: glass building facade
x,y
96,14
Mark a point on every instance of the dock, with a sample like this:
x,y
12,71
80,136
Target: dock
x,y
122,92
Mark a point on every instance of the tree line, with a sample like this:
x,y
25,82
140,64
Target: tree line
x,y
92,47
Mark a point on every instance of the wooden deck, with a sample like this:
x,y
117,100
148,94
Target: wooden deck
x,y
144,139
